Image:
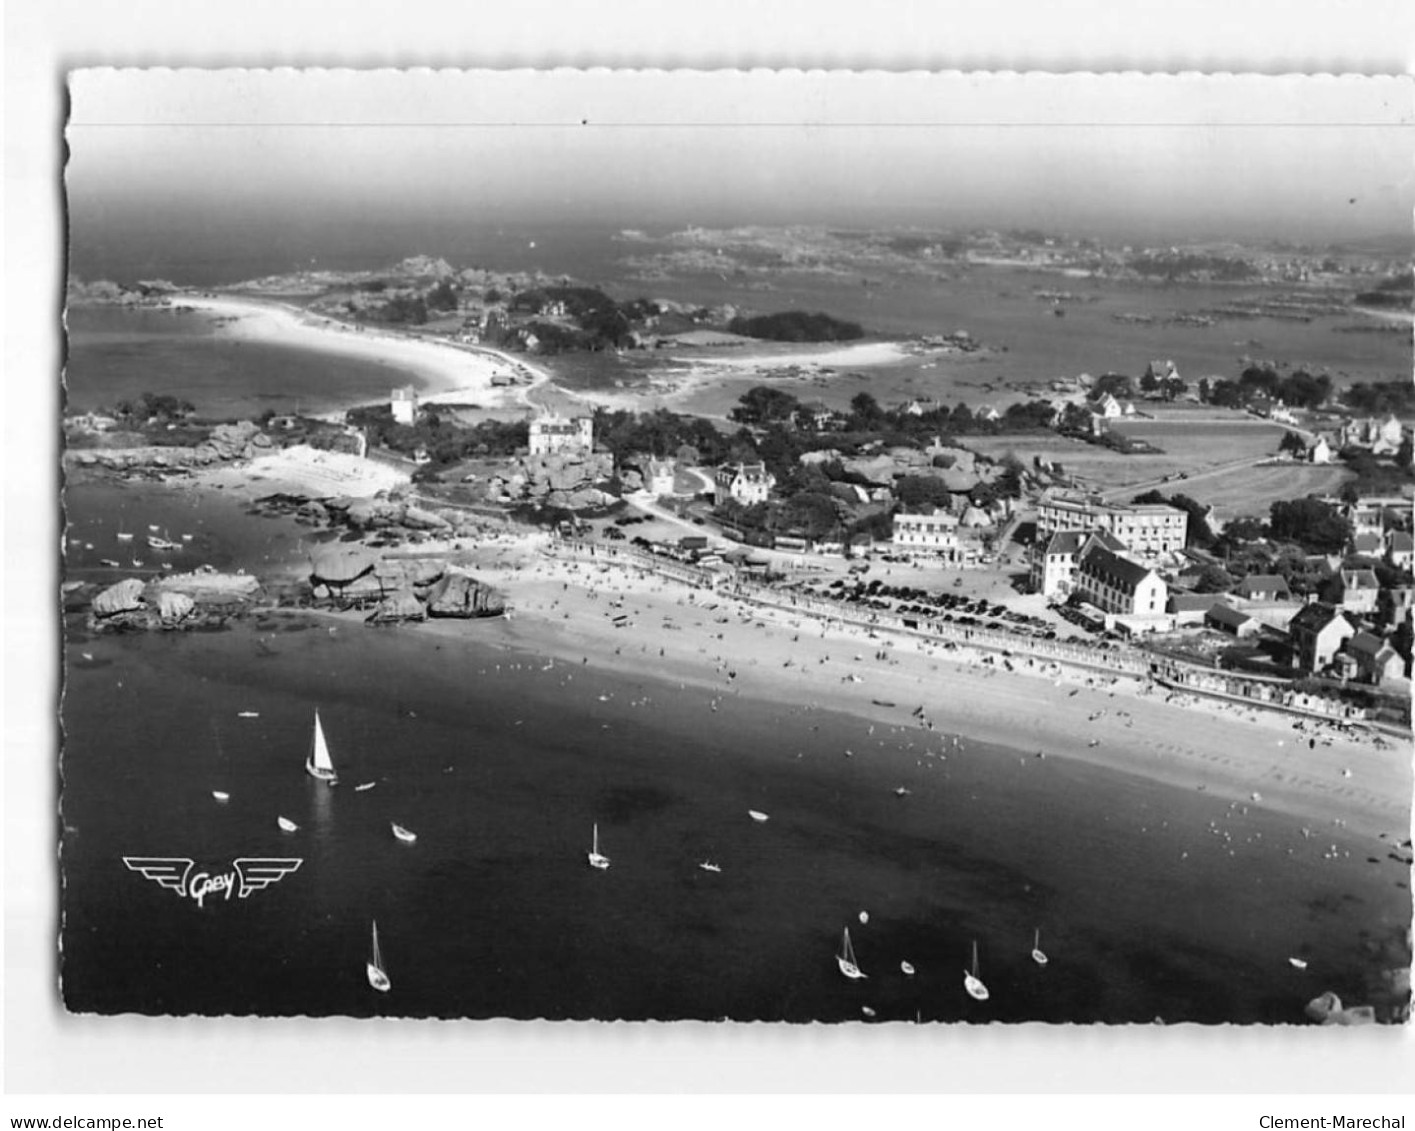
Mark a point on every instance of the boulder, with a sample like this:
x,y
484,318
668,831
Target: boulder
x,y
174,608
397,608
124,597
420,519
406,573
340,565
461,595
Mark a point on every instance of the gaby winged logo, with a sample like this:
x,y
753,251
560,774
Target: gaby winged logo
x,y
249,874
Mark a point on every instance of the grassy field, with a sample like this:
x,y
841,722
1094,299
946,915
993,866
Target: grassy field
x,y
1249,490
1200,450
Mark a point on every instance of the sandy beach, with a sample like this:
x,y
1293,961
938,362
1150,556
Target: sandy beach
x,y
446,372
1345,785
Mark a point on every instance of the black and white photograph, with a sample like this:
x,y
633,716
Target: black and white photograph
x,y
793,547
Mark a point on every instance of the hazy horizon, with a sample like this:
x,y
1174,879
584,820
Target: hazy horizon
x,y
177,161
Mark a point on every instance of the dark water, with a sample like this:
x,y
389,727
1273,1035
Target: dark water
x,y
502,760
117,354
194,252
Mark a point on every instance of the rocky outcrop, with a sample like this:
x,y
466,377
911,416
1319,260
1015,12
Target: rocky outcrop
x,y
408,573
398,608
207,586
124,597
174,608
203,598
241,440
461,595
338,566
565,480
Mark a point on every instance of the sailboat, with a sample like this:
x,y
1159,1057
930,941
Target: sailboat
x,y
971,982
405,835
596,860
318,764
846,959
376,976
1037,956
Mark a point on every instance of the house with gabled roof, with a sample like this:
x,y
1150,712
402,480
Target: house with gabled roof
x,y
1263,587
1054,559
1120,586
1400,549
1190,608
1358,590
1227,619
1368,544
746,483
1376,661
1318,633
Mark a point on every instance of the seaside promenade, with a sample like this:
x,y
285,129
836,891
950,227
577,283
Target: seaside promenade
x,y
1249,691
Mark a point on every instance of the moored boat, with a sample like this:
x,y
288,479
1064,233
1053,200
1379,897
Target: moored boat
x,y
407,836
377,976
286,825
597,860
319,764
971,982
757,815
845,959
1037,956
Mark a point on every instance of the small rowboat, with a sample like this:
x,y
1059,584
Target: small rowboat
x,y
707,866
221,795
757,815
907,967
286,825
365,785
407,836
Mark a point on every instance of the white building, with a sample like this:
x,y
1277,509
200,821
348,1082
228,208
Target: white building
x,y
404,403
1119,586
935,533
658,477
1146,530
554,435
745,483
1054,560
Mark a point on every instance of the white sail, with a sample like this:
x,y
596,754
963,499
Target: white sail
x,y
321,757
377,976
846,958
596,860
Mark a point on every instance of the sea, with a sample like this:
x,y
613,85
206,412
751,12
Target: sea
x,y
1153,903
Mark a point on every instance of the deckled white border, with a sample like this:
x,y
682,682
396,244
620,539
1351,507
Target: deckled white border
x,y
46,1051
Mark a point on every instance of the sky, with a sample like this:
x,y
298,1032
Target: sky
x,y
1157,158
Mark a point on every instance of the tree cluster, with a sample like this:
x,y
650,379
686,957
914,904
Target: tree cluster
x,y
796,326
445,441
